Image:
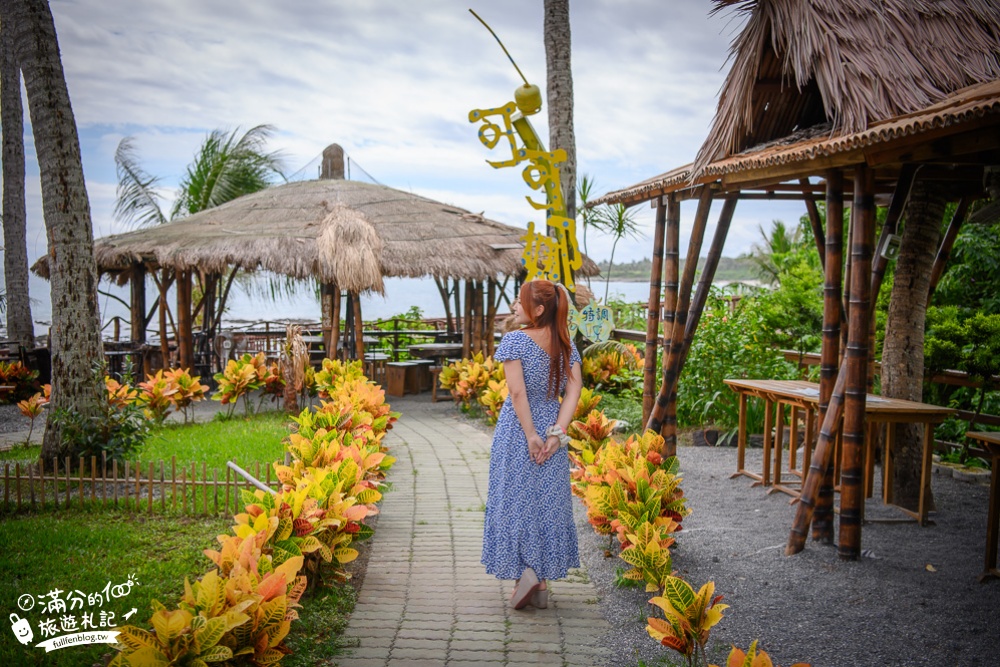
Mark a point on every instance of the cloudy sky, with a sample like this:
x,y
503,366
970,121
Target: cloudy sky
x,y
391,81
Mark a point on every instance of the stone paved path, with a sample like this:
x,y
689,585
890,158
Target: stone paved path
x,y
425,599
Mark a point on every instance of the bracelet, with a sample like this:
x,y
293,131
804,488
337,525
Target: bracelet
x,y
557,431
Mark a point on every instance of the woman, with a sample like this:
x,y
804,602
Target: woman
x,y
529,534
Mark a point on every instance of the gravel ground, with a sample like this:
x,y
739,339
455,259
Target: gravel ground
x,y
917,601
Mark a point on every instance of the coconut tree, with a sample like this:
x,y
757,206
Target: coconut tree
x,y
74,337
226,166
618,221
559,93
14,299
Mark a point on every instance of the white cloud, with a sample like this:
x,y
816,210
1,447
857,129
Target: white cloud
x,y
392,82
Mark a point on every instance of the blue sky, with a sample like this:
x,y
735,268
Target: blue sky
x,y
392,81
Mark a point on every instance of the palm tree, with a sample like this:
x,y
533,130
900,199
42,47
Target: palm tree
x,y
559,93
619,221
226,166
587,215
74,338
774,246
14,298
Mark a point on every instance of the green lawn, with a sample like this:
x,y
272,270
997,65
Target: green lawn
x,y
242,439
83,551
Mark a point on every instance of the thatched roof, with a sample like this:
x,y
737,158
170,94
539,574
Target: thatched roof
x,y
849,63
976,104
281,229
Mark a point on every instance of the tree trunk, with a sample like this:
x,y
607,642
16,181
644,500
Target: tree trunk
x,y
74,337
903,351
15,257
559,93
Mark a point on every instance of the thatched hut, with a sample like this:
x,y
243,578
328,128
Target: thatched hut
x,y
345,234
827,99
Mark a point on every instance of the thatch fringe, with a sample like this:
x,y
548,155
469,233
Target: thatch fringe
x,y
853,62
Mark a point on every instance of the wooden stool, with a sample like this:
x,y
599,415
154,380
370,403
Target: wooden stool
x,y
401,377
435,372
424,373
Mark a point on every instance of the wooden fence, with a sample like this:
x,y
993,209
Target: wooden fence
x,y
134,486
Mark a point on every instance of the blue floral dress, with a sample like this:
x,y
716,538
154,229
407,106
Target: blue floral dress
x,y
529,512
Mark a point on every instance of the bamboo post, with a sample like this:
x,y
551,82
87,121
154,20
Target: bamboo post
x,y
31,485
17,477
204,486
830,352
164,347
947,243
125,498
152,471
856,357
467,322
815,223
104,478
491,315
79,479
185,353
41,479
114,477
335,326
359,327
138,303
163,488
55,480
215,488
660,407
227,489
671,273
67,483
6,485
653,320
184,495
194,489
93,479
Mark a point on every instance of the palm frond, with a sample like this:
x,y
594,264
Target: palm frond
x,y
137,201
228,166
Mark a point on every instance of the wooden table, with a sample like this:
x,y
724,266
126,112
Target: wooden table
x,y
802,395
991,442
436,351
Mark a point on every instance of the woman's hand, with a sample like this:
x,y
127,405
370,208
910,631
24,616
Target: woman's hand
x,y
550,447
536,447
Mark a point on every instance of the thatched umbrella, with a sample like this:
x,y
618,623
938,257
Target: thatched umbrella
x,y
280,230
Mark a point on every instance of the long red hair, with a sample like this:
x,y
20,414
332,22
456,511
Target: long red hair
x,y
554,300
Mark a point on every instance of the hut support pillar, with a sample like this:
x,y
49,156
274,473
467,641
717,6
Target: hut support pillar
x,y
822,529
467,322
491,315
359,327
138,305
347,349
653,320
185,350
329,322
442,285
456,293
671,366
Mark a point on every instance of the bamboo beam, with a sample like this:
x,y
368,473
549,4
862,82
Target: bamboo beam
x,y
658,415
138,305
830,351
653,320
947,243
852,493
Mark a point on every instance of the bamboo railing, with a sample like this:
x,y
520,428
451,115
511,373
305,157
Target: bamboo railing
x,y
137,486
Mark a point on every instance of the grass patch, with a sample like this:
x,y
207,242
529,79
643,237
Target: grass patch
x,y
240,439
21,453
72,551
